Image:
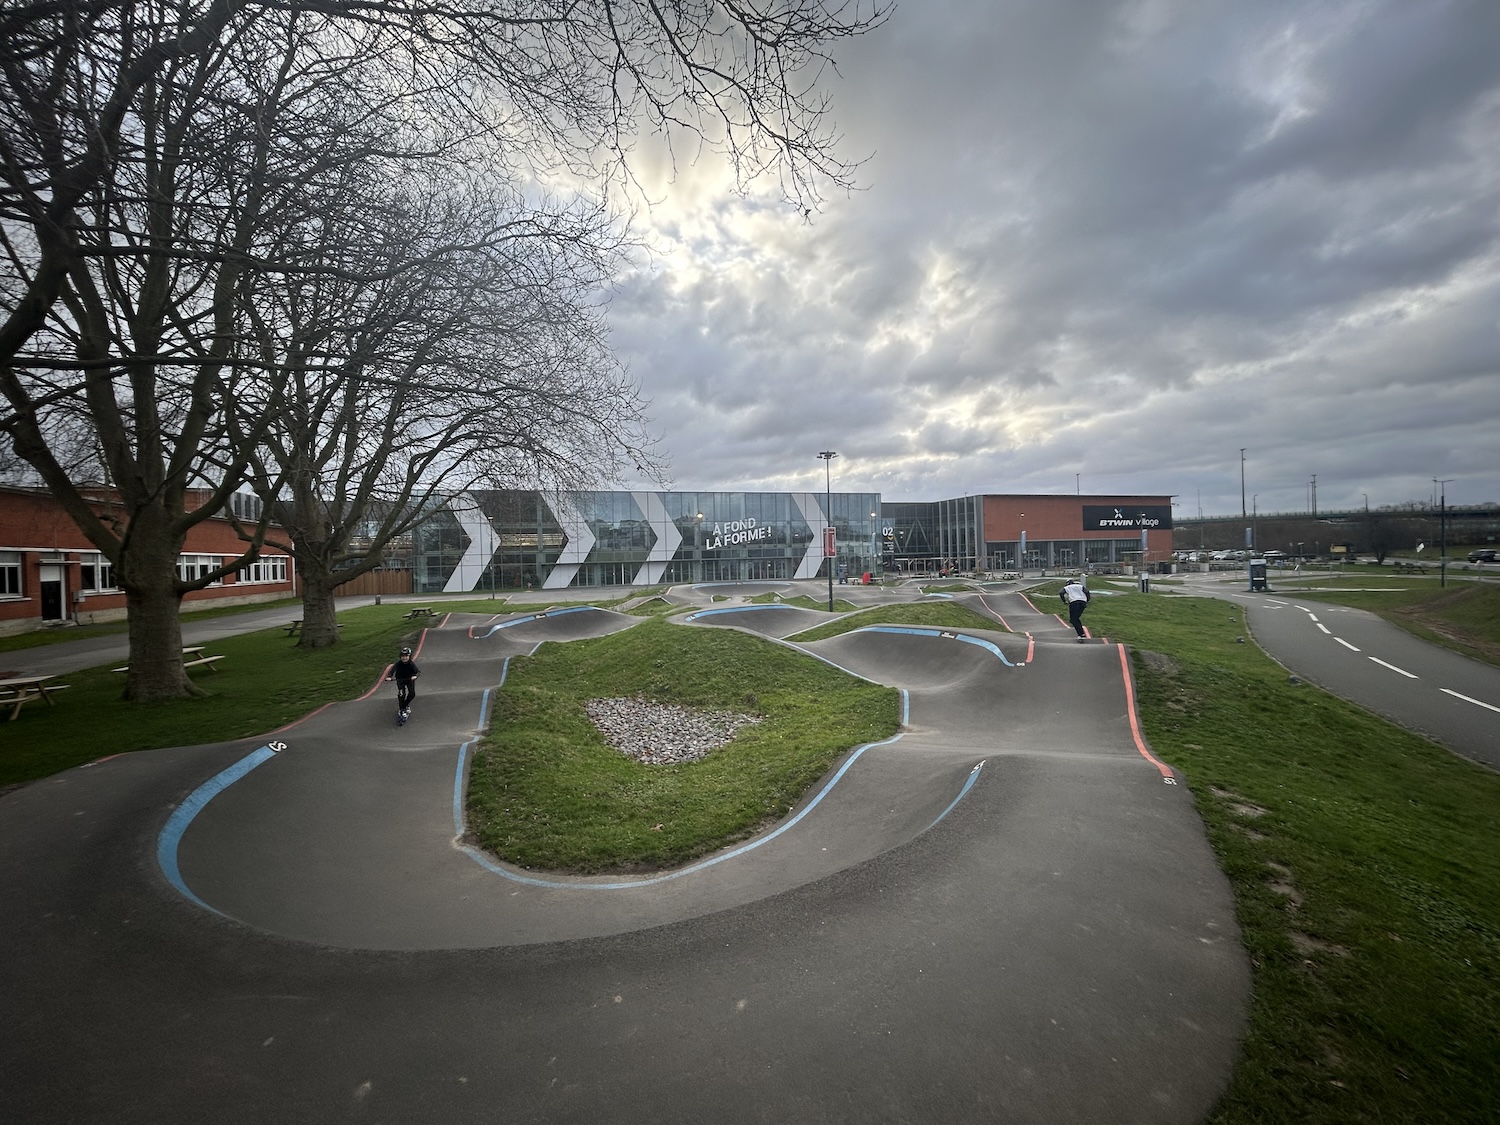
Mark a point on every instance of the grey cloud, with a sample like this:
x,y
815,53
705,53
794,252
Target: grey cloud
x,y
1167,231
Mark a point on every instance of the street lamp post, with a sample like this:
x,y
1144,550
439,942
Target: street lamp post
x,y
1242,481
827,457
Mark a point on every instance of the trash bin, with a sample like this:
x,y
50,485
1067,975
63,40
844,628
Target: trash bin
x,y
864,579
1258,575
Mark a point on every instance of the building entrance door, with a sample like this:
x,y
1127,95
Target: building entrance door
x,y
51,584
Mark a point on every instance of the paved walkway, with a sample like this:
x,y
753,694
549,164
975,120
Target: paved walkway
x,y
1008,913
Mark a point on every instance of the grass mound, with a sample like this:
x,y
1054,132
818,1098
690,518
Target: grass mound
x,y
547,791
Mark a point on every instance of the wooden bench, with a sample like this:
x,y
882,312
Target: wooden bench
x,y
423,611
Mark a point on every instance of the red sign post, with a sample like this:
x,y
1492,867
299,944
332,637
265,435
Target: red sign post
x,y
830,536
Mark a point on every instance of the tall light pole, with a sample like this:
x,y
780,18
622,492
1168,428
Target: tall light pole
x,y
827,457
1242,482
1443,528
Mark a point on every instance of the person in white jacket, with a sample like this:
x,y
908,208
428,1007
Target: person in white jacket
x,y
1075,596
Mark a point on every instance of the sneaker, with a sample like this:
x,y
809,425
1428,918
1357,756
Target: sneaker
x,y
1081,640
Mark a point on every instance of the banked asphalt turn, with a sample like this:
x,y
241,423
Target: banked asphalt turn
x,y
1008,912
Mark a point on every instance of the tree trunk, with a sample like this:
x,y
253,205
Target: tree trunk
x,y
319,628
148,575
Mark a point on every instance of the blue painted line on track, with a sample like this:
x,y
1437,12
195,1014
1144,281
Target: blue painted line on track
x,y
463,755
962,793
177,824
948,633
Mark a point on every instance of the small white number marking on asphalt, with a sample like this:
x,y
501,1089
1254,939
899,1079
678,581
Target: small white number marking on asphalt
x,y
276,747
1393,668
1346,644
1466,699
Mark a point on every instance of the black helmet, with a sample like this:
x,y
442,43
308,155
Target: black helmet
x,y
406,652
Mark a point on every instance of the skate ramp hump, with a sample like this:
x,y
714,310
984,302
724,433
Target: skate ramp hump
x,y
565,623
921,657
771,619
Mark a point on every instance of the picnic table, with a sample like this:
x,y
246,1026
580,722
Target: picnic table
x,y
296,627
21,690
420,611
192,657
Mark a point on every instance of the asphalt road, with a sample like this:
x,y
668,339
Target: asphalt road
x,y
1008,913
1447,697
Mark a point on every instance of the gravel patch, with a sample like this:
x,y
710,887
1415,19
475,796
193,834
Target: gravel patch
x,y
659,734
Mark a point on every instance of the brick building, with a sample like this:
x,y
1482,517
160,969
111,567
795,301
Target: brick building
x,y
1014,531
51,574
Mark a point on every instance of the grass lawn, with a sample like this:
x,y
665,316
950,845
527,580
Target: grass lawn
x,y
264,682
942,615
1365,864
1463,616
546,790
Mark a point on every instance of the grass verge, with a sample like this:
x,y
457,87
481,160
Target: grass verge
x,y
942,615
264,682
1364,862
546,790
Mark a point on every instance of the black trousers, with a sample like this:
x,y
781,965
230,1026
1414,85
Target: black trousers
x,y
1075,616
406,691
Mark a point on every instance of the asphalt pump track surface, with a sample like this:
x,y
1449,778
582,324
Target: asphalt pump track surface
x,y
1009,912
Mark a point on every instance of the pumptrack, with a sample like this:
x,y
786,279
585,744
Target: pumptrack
x,y
1008,911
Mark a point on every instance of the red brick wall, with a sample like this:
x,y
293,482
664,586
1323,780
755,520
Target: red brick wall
x,y
35,525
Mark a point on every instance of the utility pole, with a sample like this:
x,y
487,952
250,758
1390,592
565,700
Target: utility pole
x,y
1242,482
1315,496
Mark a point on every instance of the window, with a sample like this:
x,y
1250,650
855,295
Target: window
x,y
272,568
97,573
10,574
190,568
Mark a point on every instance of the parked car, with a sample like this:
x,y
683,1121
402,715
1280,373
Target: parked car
x,y
1485,554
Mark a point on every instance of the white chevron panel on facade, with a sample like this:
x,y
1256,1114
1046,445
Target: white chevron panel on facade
x,y
668,538
578,543
481,548
811,507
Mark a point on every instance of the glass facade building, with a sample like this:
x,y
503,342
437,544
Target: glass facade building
x,y
483,541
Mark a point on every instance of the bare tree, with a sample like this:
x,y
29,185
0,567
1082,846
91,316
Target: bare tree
x,y
445,338
148,147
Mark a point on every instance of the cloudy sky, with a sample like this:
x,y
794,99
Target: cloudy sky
x,y
1106,245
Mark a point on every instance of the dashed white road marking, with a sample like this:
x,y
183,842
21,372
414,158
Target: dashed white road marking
x,y
1466,699
1393,668
1324,628
1311,616
1346,644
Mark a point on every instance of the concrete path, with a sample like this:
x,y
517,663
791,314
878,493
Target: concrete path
x,y
1008,913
